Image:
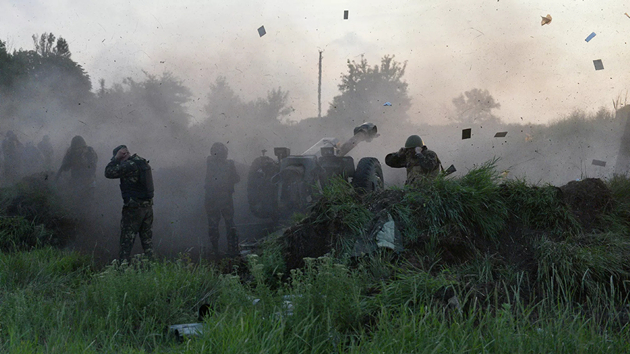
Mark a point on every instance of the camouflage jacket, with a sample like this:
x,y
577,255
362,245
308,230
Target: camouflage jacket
x,y
136,180
221,176
81,163
421,163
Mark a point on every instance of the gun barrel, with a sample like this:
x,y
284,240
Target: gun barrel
x,y
364,132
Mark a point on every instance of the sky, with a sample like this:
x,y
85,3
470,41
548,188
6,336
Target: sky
x,y
537,73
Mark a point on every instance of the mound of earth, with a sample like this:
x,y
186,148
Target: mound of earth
x,y
587,199
319,233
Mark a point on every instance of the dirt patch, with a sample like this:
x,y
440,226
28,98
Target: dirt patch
x,y
587,199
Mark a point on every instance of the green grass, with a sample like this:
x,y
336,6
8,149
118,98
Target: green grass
x,y
72,307
573,298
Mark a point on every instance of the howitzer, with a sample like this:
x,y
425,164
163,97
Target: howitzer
x,y
277,189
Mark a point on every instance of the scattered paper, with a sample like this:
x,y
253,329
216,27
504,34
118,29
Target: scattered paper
x,y
261,31
500,135
590,36
345,14
598,64
599,163
545,20
387,104
466,133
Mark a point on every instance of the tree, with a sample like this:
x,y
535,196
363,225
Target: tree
x,y
365,89
475,106
43,85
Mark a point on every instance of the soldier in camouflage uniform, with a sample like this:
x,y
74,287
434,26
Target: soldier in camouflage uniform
x,y
136,187
80,159
46,149
221,176
421,163
12,151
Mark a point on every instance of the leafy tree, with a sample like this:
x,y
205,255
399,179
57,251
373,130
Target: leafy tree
x,y
475,106
35,83
149,110
365,89
253,125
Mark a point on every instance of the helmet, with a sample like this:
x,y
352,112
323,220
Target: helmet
x,y
77,142
219,151
414,141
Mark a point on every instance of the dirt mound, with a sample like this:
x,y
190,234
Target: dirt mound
x,y
35,200
587,199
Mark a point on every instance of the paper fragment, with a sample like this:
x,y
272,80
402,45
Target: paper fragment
x,y
590,36
500,134
599,163
261,31
345,14
598,64
627,14
466,133
387,104
545,20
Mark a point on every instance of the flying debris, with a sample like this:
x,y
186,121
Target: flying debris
x,y
598,64
627,14
545,20
466,133
590,36
500,134
345,14
261,31
599,163
387,104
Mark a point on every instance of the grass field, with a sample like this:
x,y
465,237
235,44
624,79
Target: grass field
x,y
488,266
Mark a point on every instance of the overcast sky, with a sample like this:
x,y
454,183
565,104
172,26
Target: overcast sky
x,y
535,72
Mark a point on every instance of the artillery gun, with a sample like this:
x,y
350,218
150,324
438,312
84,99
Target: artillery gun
x,y
276,189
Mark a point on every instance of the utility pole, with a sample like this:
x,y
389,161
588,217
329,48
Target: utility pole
x,y
319,87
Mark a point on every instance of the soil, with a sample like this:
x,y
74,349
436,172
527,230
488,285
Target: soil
x,y
587,199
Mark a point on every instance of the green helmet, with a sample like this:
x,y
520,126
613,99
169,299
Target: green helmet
x,y
414,141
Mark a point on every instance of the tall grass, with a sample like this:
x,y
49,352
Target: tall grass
x,y
325,307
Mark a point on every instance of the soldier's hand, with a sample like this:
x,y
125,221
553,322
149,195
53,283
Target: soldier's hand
x,y
121,154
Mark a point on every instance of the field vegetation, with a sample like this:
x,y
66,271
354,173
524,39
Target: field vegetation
x,y
485,265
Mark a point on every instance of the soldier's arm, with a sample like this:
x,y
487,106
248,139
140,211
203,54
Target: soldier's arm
x,y
428,160
396,159
92,159
117,169
65,165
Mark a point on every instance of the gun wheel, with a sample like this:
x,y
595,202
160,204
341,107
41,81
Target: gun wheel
x,y
368,176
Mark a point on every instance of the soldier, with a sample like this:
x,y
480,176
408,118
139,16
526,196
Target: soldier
x,y
421,163
80,160
12,151
32,159
136,187
46,149
221,176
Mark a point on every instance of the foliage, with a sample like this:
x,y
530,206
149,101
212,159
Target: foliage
x,y
539,207
365,89
45,76
32,215
17,233
467,205
58,303
475,106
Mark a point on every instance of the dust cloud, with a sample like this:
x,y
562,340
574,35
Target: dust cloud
x,y
172,107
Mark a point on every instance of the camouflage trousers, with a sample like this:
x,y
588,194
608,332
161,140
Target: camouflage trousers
x,y
136,219
214,211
